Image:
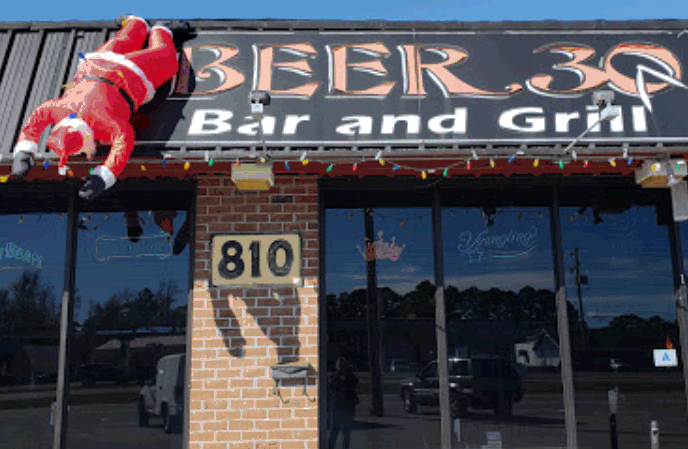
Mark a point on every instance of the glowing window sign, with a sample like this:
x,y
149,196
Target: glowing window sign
x,y
507,246
12,251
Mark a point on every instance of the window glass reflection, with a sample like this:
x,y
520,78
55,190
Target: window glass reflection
x,y
132,339
619,271
502,325
394,397
31,278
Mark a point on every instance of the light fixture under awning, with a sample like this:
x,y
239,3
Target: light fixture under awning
x,y
661,174
253,177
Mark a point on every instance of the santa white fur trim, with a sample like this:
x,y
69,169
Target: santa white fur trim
x,y
26,146
119,59
106,175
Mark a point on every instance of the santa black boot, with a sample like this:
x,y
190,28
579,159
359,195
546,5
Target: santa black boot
x,y
120,20
179,28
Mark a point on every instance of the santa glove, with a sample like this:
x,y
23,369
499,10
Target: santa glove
x,y
93,187
99,181
23,158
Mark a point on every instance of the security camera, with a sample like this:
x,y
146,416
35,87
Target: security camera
x,y
258,99
603,98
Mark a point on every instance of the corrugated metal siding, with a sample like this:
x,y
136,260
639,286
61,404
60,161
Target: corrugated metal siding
x,y
46,80
15,84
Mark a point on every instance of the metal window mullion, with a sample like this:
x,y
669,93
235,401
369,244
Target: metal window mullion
x,y
323,341
66,323
189,313
680,290
562,320
441,321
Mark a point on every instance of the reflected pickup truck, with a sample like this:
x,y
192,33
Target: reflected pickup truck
x,y
478,382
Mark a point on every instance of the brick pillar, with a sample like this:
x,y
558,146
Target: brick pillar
x,y
239,333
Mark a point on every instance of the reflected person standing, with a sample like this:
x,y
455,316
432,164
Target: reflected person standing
x,y
343,397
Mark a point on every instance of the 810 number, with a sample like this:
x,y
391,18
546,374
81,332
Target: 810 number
x,y
237,262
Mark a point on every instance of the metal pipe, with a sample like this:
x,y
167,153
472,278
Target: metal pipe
x,y
67,318
562,321
441,321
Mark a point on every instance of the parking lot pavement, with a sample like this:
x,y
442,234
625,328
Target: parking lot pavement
x,y
537,423
112,426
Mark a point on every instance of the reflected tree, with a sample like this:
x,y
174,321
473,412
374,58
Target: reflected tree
x,y
29,305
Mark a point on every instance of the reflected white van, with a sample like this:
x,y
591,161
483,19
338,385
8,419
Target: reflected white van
x,y
163,396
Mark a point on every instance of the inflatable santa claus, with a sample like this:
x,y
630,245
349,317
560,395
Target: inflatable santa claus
x,y
98,105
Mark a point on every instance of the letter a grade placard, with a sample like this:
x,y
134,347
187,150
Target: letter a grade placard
x,y
248,259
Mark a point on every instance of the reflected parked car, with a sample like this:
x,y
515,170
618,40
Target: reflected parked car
x,y
100,372
479,382
401,366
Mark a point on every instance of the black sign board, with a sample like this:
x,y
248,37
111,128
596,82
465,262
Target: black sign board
x,y
433,88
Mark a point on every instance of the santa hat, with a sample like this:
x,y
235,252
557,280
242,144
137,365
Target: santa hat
x,y
71,136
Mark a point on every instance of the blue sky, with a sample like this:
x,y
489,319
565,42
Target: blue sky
x,y
473,10
626,258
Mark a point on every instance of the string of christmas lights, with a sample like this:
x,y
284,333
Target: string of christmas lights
x,y
460,162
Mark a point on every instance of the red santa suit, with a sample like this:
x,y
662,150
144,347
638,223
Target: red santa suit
x,y
107,89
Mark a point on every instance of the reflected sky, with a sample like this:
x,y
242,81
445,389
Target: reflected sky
x,y
107,262
626,258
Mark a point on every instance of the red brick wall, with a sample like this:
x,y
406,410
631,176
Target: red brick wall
x,y
239,333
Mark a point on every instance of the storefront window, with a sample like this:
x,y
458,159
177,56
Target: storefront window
x,y
32,261
502,326
132,273
618,267
404,281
